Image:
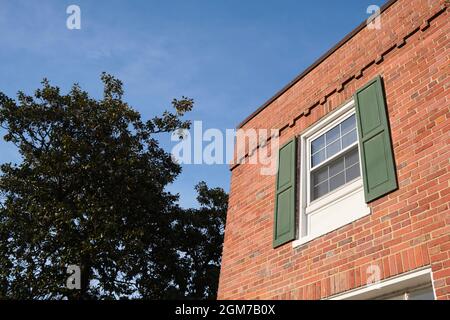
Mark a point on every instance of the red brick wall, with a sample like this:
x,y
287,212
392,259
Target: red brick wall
x,y
408,228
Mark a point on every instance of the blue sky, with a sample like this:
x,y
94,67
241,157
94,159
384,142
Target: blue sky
x,y
230,56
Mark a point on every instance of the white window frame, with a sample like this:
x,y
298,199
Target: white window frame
x,y
401,283
326,213
312,205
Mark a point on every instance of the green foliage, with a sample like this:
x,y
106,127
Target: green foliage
x,y
90,191
201,238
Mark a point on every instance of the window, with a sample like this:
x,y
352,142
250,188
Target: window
x,y
331,188
334,158
327,176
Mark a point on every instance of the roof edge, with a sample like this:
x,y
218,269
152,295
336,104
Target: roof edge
x,y
313,66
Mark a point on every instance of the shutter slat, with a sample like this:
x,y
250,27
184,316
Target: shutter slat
x,y
284,218
376,153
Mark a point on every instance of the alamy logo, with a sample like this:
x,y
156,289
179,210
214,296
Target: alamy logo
x,y
373,273
74,19
212,146
74,280
374,21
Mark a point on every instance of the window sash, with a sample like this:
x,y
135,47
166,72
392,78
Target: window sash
x,y
329,181
333,157
310,170
340,138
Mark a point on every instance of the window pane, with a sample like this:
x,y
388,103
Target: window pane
x,y
348,139
337,181
348,125
320,176
336,166
318,158
332,134
352,172
333,148
351,157
320,190
318,144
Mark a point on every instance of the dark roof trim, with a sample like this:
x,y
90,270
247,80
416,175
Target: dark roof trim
x,y
315,64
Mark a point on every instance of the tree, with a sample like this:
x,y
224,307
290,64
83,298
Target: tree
x,y
201,234
90,191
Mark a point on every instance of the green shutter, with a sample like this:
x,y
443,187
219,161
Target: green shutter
x,y
377,158
284,220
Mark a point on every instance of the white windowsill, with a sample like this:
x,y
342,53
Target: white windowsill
x,y
340,208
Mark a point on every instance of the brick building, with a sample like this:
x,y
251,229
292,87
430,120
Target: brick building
x,y
362,192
